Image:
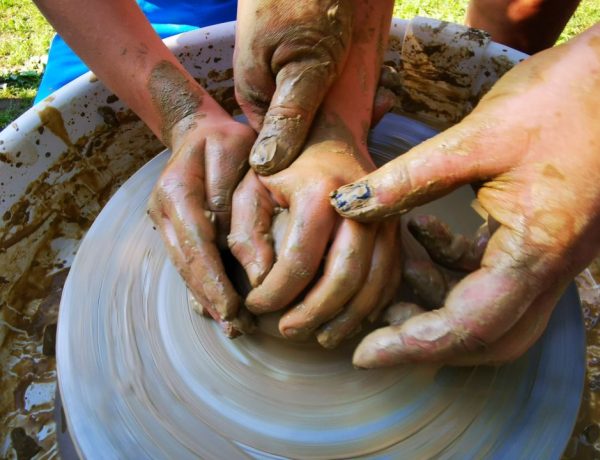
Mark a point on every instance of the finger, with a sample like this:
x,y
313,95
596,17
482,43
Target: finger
x,y
392,285
301,87
226,162
525,333
250,238
199,305
180,199
433,168
243,323
522,336
426,281
453,251
199,302
370,294
310,225
254,83
478,311
347,265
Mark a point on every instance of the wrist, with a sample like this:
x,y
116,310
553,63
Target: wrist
x,y
201,125
180,102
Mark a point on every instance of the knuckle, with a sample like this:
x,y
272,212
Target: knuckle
x,y
286,114
155,207
167,184
352,273
312,45
245,92
220,201
239,244
470,341
153,203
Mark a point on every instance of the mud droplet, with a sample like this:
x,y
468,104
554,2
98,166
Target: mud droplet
x,y
53,120
24,445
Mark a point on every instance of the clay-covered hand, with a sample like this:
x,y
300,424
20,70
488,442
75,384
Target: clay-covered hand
x,y
210,150
287,55
358,264
308,38
534,144
191,205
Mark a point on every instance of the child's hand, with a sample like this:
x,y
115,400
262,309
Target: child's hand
x,y
191,205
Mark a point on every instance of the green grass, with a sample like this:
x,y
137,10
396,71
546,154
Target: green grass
x,y
24,40
16,96
25,36
446,10
586,15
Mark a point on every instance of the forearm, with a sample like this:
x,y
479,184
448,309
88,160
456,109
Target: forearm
x,y
351,97
117,42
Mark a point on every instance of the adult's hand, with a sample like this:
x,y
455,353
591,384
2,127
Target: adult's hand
x,y
287,55
534,144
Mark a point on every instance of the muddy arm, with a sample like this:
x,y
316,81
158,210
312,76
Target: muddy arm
x,y
117,42
191,202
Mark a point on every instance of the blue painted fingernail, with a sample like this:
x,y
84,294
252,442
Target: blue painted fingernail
x,y
351,196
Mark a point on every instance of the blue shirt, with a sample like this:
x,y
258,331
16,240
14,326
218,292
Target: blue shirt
x,y
168,17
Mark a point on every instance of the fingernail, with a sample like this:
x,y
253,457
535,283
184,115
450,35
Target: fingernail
x,y
293,333
257,303
381,348
351,197
418,223
365,357
265,154
327,339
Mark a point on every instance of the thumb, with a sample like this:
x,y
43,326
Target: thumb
x,y
459,155
301,87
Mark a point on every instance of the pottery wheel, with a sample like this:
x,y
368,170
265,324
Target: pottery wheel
x,y
144,376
